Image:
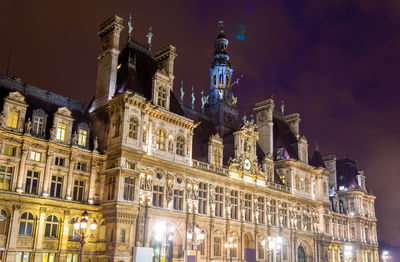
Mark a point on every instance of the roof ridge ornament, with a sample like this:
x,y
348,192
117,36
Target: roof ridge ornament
x,y
221,25
149,37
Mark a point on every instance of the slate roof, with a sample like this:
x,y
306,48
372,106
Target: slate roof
x,y
316,159
347,171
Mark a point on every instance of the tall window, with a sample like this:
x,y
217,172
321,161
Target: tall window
x,y
38,125
162,96
144,135
133,127
35,156
217,246
117,126
248,205
51,226
178,199
79,189
307,185
72,233
110,187
219,201
180,145
122,236
283,214
272,212
129,188
5,177
261,208
32,182
59,161
82,137
3,222
217,157
26,224
260,250
9,150
61,132
214,79
161,137
22,257
81,166
228,80
297,182
13,117
56,186
203,198
158,195
49,257
234,202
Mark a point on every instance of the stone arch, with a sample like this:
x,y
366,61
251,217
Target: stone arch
x,y
305,246
248,241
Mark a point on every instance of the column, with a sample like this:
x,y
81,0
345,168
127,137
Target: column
x,y
70,178
47,172
14,227
40,228
21,171
92,182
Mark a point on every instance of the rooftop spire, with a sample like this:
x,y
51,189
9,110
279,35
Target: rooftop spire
x,y
221,26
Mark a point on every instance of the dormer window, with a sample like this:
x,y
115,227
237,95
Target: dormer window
x,y
61,131
217,157
82,137
180,145
38,125
133,127
13,117
162,96
161,137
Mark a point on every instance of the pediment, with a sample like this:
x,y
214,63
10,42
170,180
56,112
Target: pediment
x,y
16,96
64,111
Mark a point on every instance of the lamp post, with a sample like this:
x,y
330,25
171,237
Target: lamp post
x,y
80,227
348,252
163,233
196,237
274,246
385,256
230,244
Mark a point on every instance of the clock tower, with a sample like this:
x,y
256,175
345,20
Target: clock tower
x,y
222,103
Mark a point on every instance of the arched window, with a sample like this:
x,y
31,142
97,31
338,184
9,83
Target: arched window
x,y
180,145
26,224
3,222
297,182
51,226
72,233
133,127
13,117
221,79
307,183
302,254
117,126
161,137
261,248
214,79
217,157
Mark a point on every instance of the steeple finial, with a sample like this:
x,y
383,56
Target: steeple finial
x,y
149,37
130,27
221,26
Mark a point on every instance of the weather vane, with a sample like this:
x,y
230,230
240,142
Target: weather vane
x,y
130,27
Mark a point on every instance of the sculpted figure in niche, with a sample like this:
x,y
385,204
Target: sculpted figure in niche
x,y
196,192
2,117
74,138
95,144
170,190
53,133
142,182
148,183
28,126
189,193
212,194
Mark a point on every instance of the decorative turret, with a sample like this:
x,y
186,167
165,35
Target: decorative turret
x,y
222,103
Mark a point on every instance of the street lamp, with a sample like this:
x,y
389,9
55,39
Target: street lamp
x,y
274,246
80,227
385,256
348,250
231,245
163,234
196,237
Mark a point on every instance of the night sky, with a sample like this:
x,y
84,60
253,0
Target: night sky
x,y
337,63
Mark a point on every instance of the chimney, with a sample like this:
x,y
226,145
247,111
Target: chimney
x,y
361,181
165,60
265,125
293,121
107,60
302,147
330,163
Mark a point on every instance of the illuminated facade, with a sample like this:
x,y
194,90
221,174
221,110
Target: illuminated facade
x,y
136,157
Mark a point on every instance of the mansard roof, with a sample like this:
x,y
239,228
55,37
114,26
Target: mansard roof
x,y
316,159
347,171
137,68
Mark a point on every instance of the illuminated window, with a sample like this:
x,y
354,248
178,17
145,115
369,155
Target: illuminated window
x,y
247,206
283,179
307,184
26,224
297,182
38,125
272,212
32,182
36,156
56,186
178,199
133,127
228,80
82,137
234,202
5,177
180,145
13,117
61,131
49,257
203,198
221,79
162,96
158,195
79,190
261,208
22,257
129,188
161,137
51,226
219,201
217,157
9,150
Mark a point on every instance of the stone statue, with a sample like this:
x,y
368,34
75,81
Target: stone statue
x,y
189,193
148,183
95,144
74,138
234,100
182,92
252,118
130,27
212,195
244,117
53,133
195,193
283,107
204,100
149,36
142,182
193,97
28,126
170,190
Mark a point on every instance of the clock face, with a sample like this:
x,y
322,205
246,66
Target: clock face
x,y
247,164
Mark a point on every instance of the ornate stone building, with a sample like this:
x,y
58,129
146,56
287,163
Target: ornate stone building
x,y
136,156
